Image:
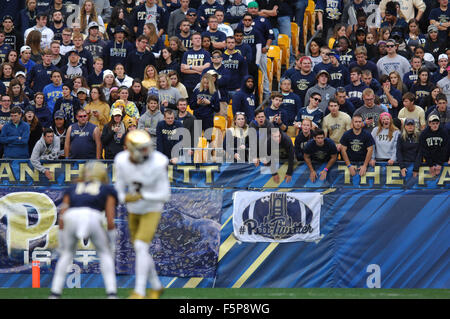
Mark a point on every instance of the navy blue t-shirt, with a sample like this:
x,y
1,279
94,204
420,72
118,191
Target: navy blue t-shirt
x,y
194,58
322,153
357,144
90,194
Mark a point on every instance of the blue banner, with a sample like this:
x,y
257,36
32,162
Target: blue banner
x,y
186,243
237,175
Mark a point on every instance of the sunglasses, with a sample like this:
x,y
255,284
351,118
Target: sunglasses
x,y
192,14
240,113
318,100
390,46
82,116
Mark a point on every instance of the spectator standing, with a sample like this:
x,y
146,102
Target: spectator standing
x,y
112,135
385,136
15,135
166,135
407,145
41,26
357,146
150,119
336,123
98,109
320,150
82,139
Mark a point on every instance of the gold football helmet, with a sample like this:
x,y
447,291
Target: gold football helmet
x,y
138,143
94,171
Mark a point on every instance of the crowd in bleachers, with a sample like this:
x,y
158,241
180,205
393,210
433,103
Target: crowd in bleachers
x,y
362,81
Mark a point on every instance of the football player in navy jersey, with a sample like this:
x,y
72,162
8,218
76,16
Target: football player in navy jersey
x,y
81,217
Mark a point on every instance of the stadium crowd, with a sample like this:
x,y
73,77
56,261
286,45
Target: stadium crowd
x,y
372,85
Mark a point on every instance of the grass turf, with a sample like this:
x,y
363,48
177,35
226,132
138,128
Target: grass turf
x,y
239,293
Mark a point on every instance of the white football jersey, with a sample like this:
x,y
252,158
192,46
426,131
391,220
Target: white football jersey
x,y
150,178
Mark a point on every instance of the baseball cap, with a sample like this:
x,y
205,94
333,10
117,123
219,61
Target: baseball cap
x,y
433,118
59,115
23,48
335,54
253,4
72,51
82,90
409,122
93,24
443,56
432,27
361,30
323,72
119,29
41,14
6,17
20,73
191,10
116,111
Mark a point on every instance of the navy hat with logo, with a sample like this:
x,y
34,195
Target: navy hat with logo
x,y
59,115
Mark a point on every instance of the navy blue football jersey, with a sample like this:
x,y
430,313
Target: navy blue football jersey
x,y
90,194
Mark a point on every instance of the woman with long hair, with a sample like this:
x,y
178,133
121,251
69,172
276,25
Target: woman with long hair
x,y
407,145
430,100
108,82
423,87
155,43
165,63
118,19
34,42
35,127
414,37
314,52
207,44
79,82
178,49
397,82
121,78
98,109
112,135
150,77
168,96
27,16
138,94
384,34
238,149
13,58
385,135
88,13
175,82
6,73
339,30
17,95
303,137
128,108
41,110
205,101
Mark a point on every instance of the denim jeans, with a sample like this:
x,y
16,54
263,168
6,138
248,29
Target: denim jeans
x,y
284,27
299,15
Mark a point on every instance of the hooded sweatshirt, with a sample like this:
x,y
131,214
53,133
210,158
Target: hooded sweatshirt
x,y
149,121
45,152
433,147
244,100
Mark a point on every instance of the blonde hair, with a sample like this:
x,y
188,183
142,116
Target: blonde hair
x,y
146,75
416,133
92,16
392,127
164,76
211,85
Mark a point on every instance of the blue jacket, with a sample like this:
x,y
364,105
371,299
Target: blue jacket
x,y
15,140
164,137
39,76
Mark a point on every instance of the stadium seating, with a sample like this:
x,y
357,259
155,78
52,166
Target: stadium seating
x,y
285,45
200,155
188,109
275,54
295,34
220,122
230,115
309,21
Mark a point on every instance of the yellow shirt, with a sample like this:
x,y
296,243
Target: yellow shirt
x,y
335,127
149,83
103,110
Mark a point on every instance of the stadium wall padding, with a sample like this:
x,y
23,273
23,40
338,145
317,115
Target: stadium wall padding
x,y
376,236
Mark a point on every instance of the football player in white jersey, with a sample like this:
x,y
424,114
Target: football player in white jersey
x,y
142,183
81,217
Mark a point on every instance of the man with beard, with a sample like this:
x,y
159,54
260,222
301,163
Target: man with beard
x,y
244,99
302,77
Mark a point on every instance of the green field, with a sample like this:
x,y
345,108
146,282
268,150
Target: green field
x,y
240,293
